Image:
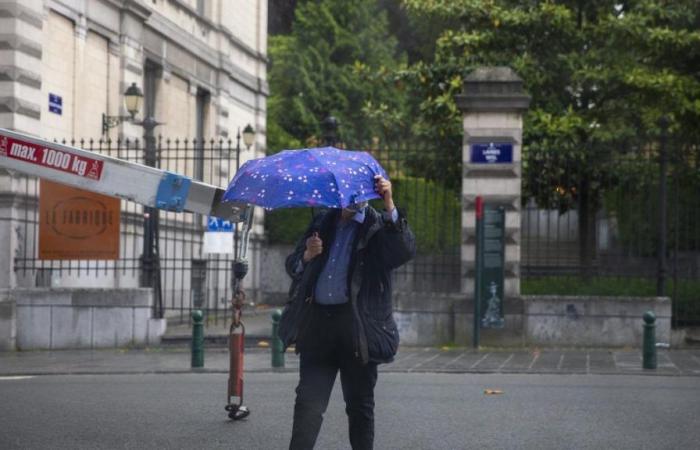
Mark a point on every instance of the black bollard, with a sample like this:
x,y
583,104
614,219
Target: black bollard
x,y
649,344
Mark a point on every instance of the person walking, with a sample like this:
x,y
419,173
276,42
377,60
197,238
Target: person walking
x,y
341,268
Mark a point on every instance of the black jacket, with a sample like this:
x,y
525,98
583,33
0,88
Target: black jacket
x,y
379,247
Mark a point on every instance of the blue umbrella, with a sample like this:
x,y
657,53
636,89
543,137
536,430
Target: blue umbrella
x,y
315,177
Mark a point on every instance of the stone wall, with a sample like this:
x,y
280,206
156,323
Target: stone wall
x,y
556,321
54,319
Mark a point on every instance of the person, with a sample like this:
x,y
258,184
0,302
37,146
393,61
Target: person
x,y
342,267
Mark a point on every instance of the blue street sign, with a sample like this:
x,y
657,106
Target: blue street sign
x,y
492,153
218,224
55,104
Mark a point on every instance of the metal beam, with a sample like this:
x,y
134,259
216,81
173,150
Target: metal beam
x,y
94,172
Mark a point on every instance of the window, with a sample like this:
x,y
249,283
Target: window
x,y
203,98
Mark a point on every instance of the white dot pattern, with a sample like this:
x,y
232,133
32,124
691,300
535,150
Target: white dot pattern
x,y
314,177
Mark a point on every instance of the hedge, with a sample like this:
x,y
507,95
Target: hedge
x,y
433,213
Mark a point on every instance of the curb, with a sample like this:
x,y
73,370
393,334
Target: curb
x,y
211,340
295,370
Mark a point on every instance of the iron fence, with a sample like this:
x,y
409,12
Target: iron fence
x,y
190,277
604,244
609,242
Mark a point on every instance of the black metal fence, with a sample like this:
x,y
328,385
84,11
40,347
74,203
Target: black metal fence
x,y
190,276
426,184
584,232
594,228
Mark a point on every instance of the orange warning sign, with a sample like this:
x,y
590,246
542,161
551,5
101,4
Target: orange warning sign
x,y
77,224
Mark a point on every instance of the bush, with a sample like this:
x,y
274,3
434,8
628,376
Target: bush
x,y
432,211
685,296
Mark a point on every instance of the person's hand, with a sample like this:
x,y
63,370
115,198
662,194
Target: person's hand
x,y
383,188
314,247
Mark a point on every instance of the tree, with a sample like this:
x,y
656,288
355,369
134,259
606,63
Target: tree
x,y
600,72
328,65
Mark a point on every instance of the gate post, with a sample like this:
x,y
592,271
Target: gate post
x,y
492,103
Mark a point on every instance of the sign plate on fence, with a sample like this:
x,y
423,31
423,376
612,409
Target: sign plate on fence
x,y
77,224
492,153
55,159
491,301
218,224
218,238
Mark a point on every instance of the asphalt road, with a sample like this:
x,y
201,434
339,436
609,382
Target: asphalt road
x,y
414,411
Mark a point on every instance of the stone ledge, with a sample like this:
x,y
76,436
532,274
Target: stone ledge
x,y
80,297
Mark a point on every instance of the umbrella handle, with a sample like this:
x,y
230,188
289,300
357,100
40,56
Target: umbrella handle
x,y
246,225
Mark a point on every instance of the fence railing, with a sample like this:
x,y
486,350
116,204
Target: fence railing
x,y
614,248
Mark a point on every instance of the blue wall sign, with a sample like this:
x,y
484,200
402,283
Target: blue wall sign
x,y
492,153
55,104
218,224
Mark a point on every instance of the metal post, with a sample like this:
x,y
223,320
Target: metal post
x,y
661,274
649,344
277,345
238,166
197,338
150,259
479,249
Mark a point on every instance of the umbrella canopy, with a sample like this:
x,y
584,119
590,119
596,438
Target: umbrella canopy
x,y
313,177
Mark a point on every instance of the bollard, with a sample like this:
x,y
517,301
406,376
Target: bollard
x,y
277,346
197,338
649,344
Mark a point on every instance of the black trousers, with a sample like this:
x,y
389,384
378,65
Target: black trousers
x,y
326,349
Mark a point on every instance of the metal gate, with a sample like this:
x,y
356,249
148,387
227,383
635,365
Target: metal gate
x,y
598,231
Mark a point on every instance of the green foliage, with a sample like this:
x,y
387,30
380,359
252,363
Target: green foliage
x,y
286,226
600,72
686,294
429,208
633,205
328,65
598,286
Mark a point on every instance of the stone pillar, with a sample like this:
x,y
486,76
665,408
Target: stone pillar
x,y
131,52
21,23
492,103
21,34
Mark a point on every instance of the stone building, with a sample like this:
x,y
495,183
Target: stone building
x,y
64,64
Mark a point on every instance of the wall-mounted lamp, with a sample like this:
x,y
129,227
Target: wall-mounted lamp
x,y
132,101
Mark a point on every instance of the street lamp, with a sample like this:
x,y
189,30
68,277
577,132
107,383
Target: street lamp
x,y
329,127
132,101
248,136
248,139
150,258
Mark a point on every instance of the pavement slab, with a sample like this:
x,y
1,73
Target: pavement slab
x,y
410,359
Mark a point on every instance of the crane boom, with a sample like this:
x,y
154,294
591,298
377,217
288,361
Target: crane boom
x,y
94,172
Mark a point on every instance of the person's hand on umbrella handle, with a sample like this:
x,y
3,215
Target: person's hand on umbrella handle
x,y
383,188
314,247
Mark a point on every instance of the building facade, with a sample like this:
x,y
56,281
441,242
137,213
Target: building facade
x,y
64,64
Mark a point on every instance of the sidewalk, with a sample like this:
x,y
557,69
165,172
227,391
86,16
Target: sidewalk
x,y
409,360
257,321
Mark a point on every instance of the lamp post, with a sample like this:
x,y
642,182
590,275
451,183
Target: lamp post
x,y
661,271
329,127
248,139
150,258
